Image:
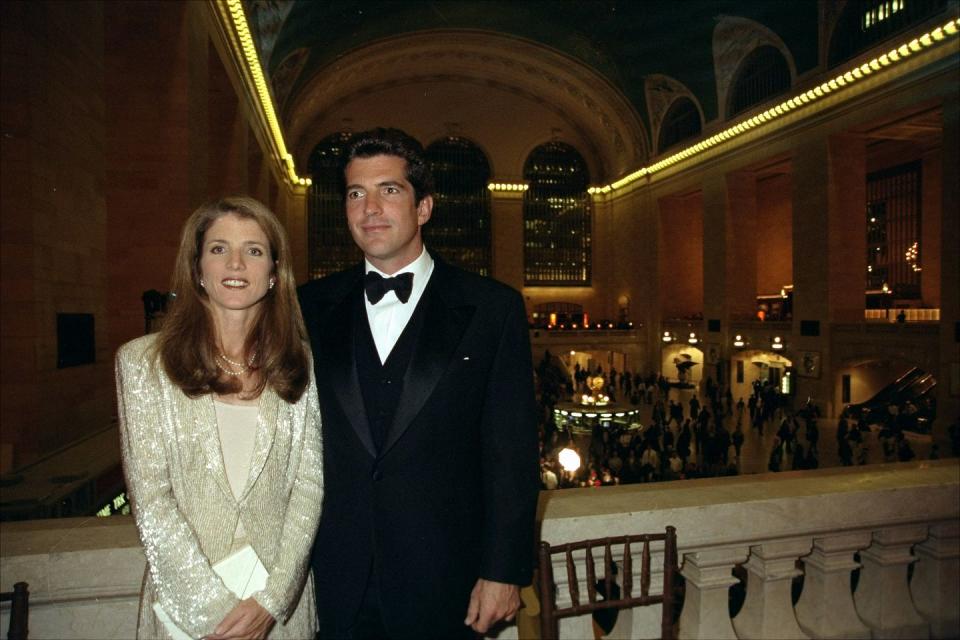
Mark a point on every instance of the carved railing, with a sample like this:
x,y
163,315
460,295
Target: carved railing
x,y
892,529
818,526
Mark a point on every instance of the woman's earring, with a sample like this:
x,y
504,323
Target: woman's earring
x,y
272,282
203,284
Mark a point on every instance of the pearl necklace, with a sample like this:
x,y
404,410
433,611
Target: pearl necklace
x,y
243,367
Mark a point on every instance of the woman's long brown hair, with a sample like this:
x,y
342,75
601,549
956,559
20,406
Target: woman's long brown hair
x,y
187,343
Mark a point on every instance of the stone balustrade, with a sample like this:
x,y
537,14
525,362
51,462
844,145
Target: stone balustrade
x,y
896,525
895,528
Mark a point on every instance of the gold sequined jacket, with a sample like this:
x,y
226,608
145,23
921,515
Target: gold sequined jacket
x,y
186,513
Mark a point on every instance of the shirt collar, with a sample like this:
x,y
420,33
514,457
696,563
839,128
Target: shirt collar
x,y
420,267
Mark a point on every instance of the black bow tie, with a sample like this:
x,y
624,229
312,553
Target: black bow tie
x,y
377,286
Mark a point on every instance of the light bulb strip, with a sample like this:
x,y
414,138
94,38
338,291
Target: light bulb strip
x,y
508,186
837,83
231,12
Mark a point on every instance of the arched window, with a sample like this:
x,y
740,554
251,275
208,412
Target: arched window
x,y
556,217
864,23
682,122
459,229
763,74
330,247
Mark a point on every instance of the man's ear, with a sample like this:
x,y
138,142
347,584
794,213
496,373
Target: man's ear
x,y
424,209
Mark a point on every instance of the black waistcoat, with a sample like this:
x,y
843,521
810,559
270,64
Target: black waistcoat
x,y
381,384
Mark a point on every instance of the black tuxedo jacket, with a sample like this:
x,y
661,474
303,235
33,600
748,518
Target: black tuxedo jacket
x,y
452,494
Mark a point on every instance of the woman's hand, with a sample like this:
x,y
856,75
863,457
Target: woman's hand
x,y
247,620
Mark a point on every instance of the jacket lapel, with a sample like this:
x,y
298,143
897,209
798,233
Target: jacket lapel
x,y
204,417
446,318
338,361
267,416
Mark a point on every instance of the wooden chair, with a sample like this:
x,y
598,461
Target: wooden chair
x,y
550,613
19,607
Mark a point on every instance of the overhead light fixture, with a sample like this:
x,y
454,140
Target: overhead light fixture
x,y
667,336
508,186
777,343
738,341
693,338
245,52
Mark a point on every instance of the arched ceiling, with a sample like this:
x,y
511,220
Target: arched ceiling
x,y
624,41
572,70
515,92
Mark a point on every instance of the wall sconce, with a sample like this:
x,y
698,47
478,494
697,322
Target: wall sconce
x,y
738,341
693,338
777,343
886,288
667,336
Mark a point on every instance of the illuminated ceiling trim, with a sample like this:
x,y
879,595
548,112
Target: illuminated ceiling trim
x,y
241,41
245,52
836,84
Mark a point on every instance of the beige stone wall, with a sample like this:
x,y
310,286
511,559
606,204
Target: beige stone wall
x,y
774,234
681,259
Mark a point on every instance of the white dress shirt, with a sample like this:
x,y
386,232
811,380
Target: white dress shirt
x,y
389,317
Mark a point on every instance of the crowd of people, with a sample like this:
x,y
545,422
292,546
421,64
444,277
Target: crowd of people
x,y
682,440
696,438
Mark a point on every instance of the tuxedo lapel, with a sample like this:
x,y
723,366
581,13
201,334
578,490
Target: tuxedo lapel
x,y
337,359
444,322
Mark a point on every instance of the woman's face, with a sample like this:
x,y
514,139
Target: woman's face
x,y
236,268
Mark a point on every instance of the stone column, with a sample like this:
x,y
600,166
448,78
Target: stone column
x,y
948,403
741,242
883,595
826,608
847,231
936,579
768,611
506,217
715,250
829,251
709,576
810,271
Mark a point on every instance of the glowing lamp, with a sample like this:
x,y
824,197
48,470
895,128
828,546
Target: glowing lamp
x,y
569,460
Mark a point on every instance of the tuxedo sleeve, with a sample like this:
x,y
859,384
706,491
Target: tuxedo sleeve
x,y
509,450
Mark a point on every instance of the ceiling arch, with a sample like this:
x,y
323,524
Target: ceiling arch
x,y
514,77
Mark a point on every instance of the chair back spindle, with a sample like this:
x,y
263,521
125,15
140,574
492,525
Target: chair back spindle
x,y
551,612
19,611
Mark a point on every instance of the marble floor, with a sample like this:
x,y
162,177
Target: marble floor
x,y
756,448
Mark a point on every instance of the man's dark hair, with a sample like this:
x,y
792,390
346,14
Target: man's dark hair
x,y
394,142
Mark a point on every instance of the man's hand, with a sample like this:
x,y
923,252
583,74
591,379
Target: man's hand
x,y
491,602
246,620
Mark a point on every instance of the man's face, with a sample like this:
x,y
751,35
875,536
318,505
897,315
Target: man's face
x,y
382,214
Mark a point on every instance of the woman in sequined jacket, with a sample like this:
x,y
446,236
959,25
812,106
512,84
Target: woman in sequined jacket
x,y
220,433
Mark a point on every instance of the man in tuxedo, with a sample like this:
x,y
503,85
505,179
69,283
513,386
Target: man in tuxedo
x,y
424,374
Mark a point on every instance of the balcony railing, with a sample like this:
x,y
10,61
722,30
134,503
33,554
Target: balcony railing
x,y
895,527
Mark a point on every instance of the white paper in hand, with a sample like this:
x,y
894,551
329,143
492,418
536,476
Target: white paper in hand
x,y
241,572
